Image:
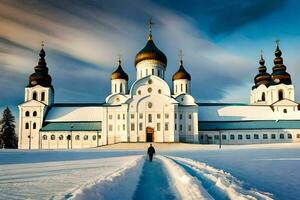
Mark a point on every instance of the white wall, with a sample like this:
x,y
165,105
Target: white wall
x,y
94,139
181,86
212,137
150,67
119,86
271,94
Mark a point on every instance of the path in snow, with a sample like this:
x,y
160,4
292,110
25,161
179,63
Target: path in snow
x,y
168,178
153,183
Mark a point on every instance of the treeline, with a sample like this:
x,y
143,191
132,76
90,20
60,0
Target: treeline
x,y
8,137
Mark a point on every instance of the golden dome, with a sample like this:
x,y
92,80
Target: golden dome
x,y
181,73
119,73
150,52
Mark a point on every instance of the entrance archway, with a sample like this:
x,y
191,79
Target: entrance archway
x,y
149,134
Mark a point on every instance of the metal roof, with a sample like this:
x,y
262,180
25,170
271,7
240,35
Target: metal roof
x,y
72,126
248,125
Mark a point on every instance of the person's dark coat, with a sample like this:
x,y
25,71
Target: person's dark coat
x,y
151,151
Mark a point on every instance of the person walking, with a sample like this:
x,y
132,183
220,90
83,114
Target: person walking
x,y
151,152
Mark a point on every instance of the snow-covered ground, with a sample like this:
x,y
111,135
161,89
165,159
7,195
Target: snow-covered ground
x,y
235,172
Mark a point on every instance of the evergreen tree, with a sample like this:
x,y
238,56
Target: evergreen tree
x,y
8,138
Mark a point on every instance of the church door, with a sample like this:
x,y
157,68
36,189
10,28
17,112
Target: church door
x,y
149,134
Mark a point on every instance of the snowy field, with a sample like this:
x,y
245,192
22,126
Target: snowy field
x,y
235,172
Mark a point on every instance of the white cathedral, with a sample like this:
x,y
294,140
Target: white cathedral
x,y
149,111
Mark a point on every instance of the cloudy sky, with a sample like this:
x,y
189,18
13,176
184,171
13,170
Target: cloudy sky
x,y
221,41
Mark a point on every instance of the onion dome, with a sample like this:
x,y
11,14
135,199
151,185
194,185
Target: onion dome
x,y
150,51
279,74
181,73
40,76
119,73
262,78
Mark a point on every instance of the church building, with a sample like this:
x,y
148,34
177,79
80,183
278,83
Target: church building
x,y
151,111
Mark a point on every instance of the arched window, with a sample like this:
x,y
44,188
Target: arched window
x,y
77,137
34,113
43,96
181,87
27,125
176,88
61,137
27,113
52,137
121,88
146,72
158,72
290,136
69,137
94,137
34,125
44,137
263,96
34,96
284,110
280,95
115,87
86,137
186,88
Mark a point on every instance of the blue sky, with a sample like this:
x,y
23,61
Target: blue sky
x,y
221,41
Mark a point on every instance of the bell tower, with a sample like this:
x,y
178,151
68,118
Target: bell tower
x,y
39,94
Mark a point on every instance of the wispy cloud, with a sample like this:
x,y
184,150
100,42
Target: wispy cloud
x,y
83,40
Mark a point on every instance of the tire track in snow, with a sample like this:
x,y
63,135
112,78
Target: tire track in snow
x,y
183,184
219,184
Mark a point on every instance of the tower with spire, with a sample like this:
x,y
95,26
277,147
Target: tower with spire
x,y
181,79
119,80
271,88
39,96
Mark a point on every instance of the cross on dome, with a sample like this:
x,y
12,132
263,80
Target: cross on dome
x,y
181,56
119,59
150,28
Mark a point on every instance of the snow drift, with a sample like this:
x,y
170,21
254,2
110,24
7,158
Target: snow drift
x,y
184,185
221,181
121,184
